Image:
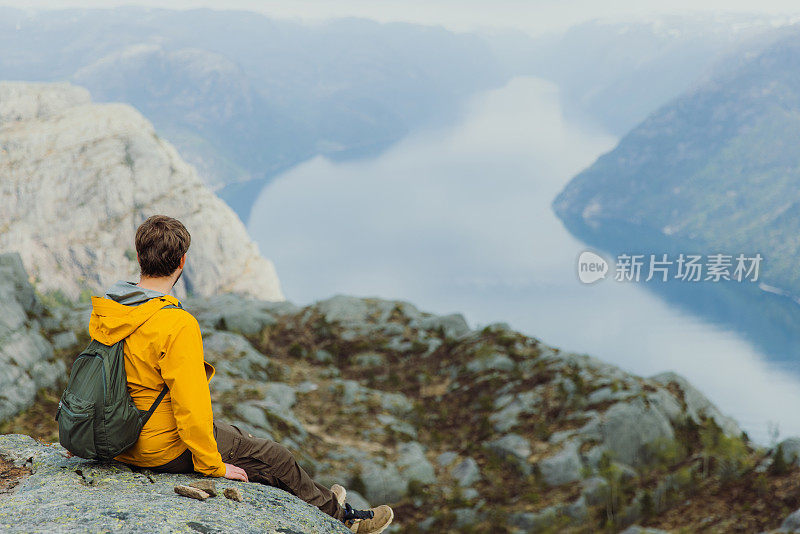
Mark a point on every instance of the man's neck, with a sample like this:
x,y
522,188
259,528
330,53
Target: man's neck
x,y
162,285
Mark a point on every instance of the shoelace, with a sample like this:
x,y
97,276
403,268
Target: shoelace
x,y
352,515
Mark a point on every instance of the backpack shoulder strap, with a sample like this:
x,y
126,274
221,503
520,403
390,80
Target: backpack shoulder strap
x,y
155,404
165,388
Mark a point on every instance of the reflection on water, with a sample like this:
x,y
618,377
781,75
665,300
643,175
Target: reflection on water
x,y
459,219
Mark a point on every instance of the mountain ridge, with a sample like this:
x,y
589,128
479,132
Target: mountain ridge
x,y
244,96
459,429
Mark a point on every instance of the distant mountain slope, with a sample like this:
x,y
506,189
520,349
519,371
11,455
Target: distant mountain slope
x,y
715,170
719,167
243,96
77,180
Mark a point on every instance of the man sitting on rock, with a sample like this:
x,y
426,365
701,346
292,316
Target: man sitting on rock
x,y
165,347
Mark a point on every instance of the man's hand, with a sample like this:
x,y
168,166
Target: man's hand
x,y
235,473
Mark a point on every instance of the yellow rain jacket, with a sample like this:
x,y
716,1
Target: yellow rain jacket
x,y
163,346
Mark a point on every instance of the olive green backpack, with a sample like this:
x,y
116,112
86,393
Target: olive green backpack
x,y
97,418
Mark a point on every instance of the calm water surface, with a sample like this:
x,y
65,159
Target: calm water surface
x,y
459,220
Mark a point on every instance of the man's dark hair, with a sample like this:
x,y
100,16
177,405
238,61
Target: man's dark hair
x,y
161,241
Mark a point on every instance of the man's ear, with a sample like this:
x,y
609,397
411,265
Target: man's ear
x,y
183,260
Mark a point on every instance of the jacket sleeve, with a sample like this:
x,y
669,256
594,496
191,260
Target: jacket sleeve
x,y
183,370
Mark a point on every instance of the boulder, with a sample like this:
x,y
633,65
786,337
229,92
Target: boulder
x,y
343,309
351,394
563,467
628,427
511,407
254,418
465,517
64,340
267,414
323,356
395,425
541,521
446,458
512,448
413,464
466,472
382,483
398,344
792,522
390,309
595,490
453,326
74,495
233,356
396,403
791,450
495,361
233,313
278,396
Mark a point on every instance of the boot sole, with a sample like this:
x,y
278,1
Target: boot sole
x,y
384,527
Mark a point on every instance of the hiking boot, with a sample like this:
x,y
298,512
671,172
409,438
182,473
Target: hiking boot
x,y
372,521
340,493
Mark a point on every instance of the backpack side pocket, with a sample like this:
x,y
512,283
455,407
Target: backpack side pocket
x,y
76,425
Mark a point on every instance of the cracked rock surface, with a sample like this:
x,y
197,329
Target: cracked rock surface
x,y
74,495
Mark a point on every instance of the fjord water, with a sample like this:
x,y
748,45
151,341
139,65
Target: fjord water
x,y
458,219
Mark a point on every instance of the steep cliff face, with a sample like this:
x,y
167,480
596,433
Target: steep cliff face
x,y
78,178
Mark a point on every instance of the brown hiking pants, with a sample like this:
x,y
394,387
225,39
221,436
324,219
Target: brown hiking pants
x,y
266,462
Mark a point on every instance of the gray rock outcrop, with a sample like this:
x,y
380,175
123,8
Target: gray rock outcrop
x,y
413,465
27,361
78,179
630,426
73,495
697,404
383,483
562,467
466,472
512,448
791,523
791,450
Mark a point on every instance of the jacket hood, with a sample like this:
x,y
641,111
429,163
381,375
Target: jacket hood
x,y
130,294
111,320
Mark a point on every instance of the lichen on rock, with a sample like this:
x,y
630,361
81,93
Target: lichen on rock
x,y
74,495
